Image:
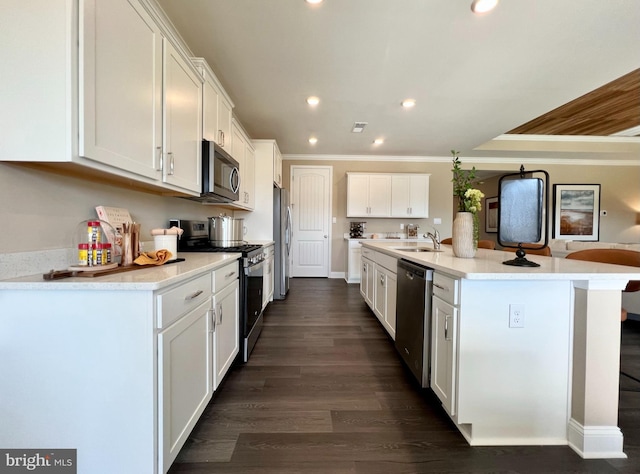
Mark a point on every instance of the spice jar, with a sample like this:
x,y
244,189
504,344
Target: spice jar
x,y
83,254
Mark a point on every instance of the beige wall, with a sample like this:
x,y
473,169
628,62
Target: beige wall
x,y
620,196
40,210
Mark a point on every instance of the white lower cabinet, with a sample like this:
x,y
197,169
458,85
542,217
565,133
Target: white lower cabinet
x,y
367,287
378,287
184,379
137,361
443,353
444,340
226,330
267,282
354,256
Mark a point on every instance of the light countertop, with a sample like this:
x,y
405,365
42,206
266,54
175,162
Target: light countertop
x,y
487,264
152,278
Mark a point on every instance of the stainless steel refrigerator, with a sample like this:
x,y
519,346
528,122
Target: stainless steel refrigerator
x,y
282,227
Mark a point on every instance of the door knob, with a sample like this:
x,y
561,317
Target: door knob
x,y
325,236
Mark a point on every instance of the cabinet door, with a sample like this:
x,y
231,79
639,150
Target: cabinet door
x,y
390,304
419,195
249,175
184,379
357,195
385,298
225,109
238,153
367,288
120,87
354,257
227,329
182,122
380,195
210,111
400,196
443,353
380,292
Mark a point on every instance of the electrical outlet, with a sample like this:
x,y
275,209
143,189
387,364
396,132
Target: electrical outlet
x,y
516,315
401,226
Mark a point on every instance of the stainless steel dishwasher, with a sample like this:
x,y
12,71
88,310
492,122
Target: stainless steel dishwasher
x,y
413,318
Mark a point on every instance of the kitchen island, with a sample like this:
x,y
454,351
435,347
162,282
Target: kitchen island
x,y
552,381
118,367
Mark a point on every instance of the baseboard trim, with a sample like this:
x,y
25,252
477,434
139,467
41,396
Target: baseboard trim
x,y
595,442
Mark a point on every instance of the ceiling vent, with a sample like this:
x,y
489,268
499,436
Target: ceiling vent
x,y
358,127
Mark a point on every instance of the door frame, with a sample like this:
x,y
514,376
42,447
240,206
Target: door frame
x,y
292,168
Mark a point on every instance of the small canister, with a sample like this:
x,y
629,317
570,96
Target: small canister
x,y
96,254
83,254
106,253
93,232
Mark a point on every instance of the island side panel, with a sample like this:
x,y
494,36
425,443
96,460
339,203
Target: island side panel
x,y
78,371
593,428
514,382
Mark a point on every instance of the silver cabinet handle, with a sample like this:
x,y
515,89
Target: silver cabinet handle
x,y
220,313
446,328
171,163
382,280
193,295
212,313
443,288
228,275
159,159
221,138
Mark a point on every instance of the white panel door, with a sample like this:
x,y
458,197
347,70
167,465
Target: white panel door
x,y
311,214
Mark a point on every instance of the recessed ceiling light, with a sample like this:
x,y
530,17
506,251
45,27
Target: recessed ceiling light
x,y
378,141
408,103
313,2
313,100
483,6
313,140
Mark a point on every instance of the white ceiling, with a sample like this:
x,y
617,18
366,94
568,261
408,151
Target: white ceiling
x,y
473,77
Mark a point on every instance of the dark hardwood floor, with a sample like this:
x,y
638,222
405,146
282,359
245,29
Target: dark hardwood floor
x,y
325,392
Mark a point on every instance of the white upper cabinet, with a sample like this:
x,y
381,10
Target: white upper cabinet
x,y
368,195
97,72
244,153
410,195
217,108
121,87
387,195
182,122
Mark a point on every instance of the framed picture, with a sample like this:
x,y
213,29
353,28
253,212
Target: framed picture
x,y
491,215
576,211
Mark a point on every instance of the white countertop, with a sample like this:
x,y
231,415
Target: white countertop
x,y
152,278
487,264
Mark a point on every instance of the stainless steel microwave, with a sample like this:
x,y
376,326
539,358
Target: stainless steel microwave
x,y
220,174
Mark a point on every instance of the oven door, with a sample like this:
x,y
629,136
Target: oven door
x,y
254,278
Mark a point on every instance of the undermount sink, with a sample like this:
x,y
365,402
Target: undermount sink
x,y
417,249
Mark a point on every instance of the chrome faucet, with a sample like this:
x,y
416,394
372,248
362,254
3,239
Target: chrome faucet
x,y
435,238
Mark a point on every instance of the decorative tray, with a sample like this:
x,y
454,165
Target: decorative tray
x,y
78,271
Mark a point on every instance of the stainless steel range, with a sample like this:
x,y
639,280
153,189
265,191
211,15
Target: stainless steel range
x,y
195,238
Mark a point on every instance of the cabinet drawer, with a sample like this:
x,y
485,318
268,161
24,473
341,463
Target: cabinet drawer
x,y
387,261
225,275
446,288
183,298
367,253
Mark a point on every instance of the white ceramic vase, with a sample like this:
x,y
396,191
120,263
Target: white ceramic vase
x,y
464,244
